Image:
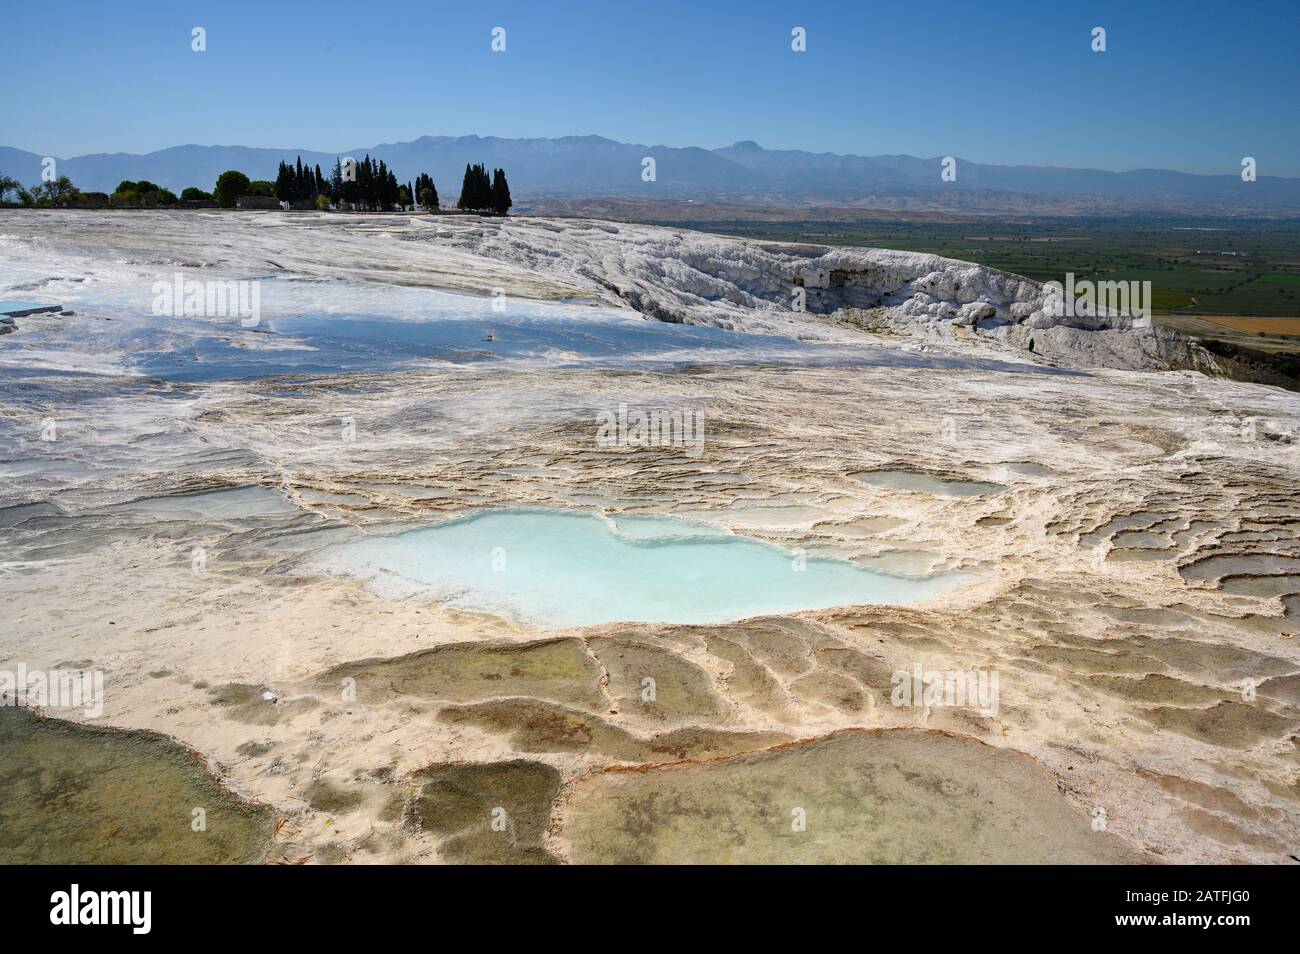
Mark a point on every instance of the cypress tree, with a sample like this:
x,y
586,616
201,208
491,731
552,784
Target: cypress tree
x,y
466,189
501,200
425,192
283,188
365,183
336,182
477,192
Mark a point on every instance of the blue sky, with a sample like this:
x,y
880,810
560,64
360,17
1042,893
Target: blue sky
x,y
1191,85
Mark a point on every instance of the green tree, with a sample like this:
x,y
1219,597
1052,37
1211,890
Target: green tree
x,y
501,201
195,195
7,185
476,189
231,184
466,189
425,191
260,187
336,182
61,192
284,183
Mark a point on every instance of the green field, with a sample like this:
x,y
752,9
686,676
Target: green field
x,y
1202,267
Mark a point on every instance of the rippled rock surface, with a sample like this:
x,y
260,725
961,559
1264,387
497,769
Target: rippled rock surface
x,y
170,487
898,797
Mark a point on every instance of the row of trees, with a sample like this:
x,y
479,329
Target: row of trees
x,y
299,185
479,193
56,193
368,184
62,193
371,185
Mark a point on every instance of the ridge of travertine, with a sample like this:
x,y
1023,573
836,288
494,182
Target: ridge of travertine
x,y
1137,591
859,296
696,278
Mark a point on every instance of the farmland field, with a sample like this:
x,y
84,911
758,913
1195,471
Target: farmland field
x,y
1252,326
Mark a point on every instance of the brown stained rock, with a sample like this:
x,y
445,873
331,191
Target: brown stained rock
x,y
857,797
557,669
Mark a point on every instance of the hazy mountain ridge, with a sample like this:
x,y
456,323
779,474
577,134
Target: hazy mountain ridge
x,y
743,172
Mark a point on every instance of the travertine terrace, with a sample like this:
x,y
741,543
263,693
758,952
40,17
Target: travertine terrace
x,y
1136,581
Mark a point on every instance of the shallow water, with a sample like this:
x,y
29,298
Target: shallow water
x,y
907,480
80,795
314,328
325,344
895,797
234,504
650,528
1029,469
560,569
10,306
444,328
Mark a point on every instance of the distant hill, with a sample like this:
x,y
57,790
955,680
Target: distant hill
x,y
744,173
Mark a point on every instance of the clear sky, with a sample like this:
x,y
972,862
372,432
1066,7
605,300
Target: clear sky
x,y
1184,84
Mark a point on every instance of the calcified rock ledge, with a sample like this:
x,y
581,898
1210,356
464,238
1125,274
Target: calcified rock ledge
x,y
1141,565
683,276
666,274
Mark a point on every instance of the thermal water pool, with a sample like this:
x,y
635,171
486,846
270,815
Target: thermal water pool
x,y
559,569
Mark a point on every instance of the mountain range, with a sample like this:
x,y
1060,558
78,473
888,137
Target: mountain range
x,y
743,173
